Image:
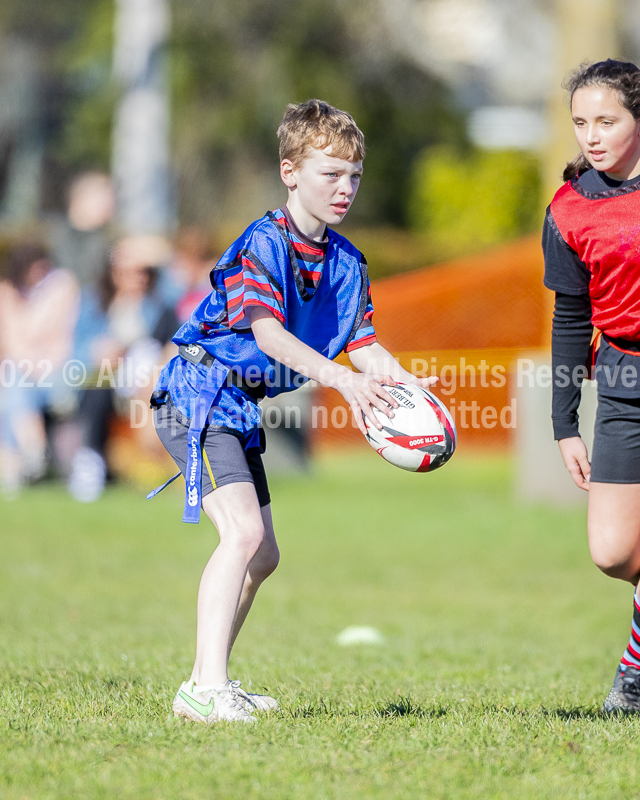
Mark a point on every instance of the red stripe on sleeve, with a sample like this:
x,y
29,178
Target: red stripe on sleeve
x,y
361,342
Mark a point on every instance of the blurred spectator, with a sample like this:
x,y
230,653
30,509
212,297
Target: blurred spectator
x,y
38,311
123,327
185,280
81,243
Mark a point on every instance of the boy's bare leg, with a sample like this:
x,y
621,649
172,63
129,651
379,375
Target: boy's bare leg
x,y
235,512
262,565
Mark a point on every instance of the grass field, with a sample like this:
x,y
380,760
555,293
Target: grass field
x,y
501,642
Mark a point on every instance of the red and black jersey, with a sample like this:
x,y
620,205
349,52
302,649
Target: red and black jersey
x,y
592,253
603,230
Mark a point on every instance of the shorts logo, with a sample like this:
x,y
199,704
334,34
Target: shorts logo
x,y
193,496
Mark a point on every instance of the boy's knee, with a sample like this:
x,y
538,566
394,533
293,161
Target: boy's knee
x,y
248,537
266,563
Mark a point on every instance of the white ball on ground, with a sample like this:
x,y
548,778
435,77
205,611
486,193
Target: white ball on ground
x,y
359,634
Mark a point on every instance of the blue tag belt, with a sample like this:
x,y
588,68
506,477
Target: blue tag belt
x,y
215,380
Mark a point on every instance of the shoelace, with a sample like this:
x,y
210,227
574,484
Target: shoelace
x,y
631,684
234,686
237,695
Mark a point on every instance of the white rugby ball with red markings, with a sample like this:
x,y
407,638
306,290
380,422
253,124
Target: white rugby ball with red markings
x,y
421,435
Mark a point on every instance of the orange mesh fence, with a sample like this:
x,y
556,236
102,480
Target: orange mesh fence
x,y
467,322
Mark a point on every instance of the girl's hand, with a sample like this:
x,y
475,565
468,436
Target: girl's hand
x,y
365,392
576,460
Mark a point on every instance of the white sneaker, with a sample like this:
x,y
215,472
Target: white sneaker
x,y
255,702
207,704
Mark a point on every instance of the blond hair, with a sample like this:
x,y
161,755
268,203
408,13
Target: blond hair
x,y
317,124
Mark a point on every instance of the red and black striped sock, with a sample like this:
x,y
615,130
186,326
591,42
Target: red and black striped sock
x,y
631,656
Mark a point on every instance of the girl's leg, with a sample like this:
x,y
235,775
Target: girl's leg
x,y
614,529
262,565
614,541
235,511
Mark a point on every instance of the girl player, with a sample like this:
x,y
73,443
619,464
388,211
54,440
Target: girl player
x,y
591,244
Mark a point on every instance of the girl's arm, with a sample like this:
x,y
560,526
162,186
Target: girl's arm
x,y
569,277
570,339
363,392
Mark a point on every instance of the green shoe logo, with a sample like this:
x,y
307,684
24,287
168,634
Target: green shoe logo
x,y
204,710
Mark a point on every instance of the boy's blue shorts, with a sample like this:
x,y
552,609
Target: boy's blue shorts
x,y
228,461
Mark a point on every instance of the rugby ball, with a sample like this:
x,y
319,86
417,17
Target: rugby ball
x,y
421,435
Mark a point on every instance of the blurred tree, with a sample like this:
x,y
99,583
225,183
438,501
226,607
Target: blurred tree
x,y
71,42
84,135
235,64
464,201
236,67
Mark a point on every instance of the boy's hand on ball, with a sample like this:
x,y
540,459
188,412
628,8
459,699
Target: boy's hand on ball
x,y
427,382
364,393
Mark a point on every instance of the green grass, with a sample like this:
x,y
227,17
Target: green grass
x,y
501,642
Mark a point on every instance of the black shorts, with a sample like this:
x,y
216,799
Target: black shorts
x,y
224,462
616,442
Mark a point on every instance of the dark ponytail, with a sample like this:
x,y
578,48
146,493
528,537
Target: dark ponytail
x,y
575,167
622,77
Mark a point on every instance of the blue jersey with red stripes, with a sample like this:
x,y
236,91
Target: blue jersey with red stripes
x,y
310,256
319,291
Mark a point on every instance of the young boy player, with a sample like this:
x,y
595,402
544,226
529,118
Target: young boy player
x,y
288,296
